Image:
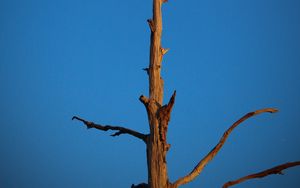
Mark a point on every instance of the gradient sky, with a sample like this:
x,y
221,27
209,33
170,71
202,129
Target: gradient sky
x,y
60,58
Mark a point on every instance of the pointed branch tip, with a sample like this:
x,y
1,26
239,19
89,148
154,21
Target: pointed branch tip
x,y
74,117
270,110
164,50
172,99
151,25
80,119
147,70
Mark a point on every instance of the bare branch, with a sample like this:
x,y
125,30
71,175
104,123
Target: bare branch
x,y
141,185
172,100
200,166
164,50
146,70
120,130
275,170
144,100
151,25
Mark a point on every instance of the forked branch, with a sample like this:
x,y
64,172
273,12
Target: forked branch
x,y
200,166
120,130
275,170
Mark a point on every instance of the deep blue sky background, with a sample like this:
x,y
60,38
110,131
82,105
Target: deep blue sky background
x,y
60,58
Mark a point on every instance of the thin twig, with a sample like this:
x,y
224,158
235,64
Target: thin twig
x,y
275,170
120,130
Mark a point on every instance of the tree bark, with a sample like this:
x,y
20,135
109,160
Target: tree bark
x,y
158,115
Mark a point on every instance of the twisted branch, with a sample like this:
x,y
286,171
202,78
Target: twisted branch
x,y
200,166
275,170
120,130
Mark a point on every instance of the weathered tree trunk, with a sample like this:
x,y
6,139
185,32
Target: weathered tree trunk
x,y
157,114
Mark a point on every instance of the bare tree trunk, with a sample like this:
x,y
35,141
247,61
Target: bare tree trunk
x,y
159,117
156,144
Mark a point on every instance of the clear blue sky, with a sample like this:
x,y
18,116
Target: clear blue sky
x,y
60,58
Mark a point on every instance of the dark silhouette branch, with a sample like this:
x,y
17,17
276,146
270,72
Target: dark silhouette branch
x,y
141,185
120,130
146,70
200,166
151,25
275,170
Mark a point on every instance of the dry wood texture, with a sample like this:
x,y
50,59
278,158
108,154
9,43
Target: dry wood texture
x,y
158,115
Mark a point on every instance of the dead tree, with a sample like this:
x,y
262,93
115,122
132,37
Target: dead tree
x,y
159,116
